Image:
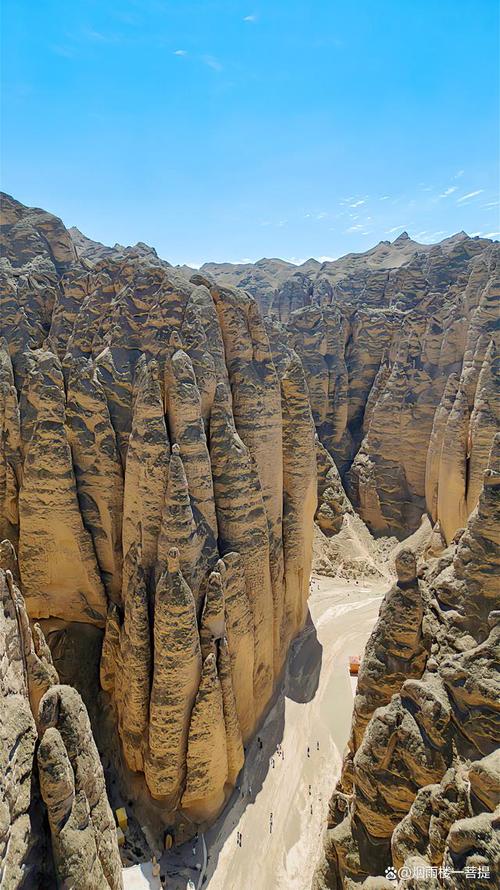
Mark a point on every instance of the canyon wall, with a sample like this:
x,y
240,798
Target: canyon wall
x,y
158,480
420,786
56,825
164,449
399,350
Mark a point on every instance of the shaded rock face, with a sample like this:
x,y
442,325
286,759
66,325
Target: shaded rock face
x,y
158,478
399,348
56,826
421,781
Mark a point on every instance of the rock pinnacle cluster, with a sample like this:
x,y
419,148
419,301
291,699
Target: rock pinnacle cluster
x,y
158,484
175,445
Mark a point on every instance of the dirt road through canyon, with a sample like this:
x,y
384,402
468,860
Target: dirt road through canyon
x,y
269,835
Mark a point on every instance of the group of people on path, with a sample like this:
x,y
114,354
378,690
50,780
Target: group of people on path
x,y
279,753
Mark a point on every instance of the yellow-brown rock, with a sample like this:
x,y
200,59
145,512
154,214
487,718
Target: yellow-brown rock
x,y
132,677
57,560
77,846
179,528
422,776
256,408
98,471
243,527
452,498
240,637
184,407
175,681
146,467
10,452
484,421
234,741
212,626
207,764
23,844
435,448
72,784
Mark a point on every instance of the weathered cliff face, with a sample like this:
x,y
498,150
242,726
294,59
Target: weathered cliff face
x,y
398,347
421,781
163,453
158,477
56,825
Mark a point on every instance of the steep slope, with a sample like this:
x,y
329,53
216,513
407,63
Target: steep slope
x,y
57,826
420,786
379,335
158,478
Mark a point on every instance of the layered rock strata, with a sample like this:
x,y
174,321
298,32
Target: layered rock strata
x,y
421,782
158,476
399,348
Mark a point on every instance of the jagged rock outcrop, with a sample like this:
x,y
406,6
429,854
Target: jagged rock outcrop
x,y
422,778
158,476
56,825
379,335
83,832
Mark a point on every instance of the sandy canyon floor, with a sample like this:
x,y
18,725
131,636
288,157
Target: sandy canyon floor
x,y
279,809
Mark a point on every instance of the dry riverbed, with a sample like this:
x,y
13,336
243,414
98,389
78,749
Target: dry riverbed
x,y
279,809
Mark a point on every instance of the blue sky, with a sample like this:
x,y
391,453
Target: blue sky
x,y
236,130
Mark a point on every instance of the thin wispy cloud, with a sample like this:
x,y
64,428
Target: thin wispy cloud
x,y
180,52
394,229
65,51
358,203
99,36
251,19
469,196
430,237
384,198
492,204
355,228
212,63
459,174
90,34
449,191
321,215
492,234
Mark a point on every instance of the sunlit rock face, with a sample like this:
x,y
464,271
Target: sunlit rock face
x,y
398,346
421,781
158,480
57,828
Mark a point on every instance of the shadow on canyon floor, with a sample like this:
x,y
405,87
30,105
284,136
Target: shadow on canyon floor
x,y
299,682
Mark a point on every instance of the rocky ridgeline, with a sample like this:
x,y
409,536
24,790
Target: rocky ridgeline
x,y
420,786
159,474
158,481
399,352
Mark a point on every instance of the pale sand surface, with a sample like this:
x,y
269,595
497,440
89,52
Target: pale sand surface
x,y
140,877
315,709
